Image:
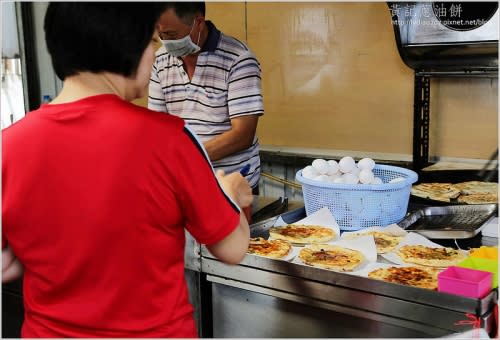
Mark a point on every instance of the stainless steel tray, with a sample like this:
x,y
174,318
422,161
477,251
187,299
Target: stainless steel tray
x,y
449,222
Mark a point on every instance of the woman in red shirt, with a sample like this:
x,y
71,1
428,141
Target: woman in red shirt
x,y
97,192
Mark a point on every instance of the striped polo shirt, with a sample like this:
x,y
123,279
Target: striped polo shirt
x,y
226,84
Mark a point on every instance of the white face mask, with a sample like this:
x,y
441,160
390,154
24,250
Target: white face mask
x,y
182,47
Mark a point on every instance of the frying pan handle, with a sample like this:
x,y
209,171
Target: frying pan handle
x,y
485,174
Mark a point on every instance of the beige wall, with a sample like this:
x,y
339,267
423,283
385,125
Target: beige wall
x,y
464,117
333,79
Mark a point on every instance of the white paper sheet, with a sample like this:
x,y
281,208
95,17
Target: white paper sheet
x,y
372,266
391,229
363,244
289,257
491,228
410,239
322,217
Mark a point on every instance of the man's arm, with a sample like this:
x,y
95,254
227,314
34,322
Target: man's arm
x,y
239,137
244,108
12,269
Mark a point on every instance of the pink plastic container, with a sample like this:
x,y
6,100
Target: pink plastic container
x,y
464,281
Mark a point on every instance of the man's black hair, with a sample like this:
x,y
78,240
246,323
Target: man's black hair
x,y
99,36
186,11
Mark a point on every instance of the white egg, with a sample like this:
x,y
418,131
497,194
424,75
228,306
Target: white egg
x,y
355,171
397,179
332,178
346,164
321,166
339,179
366,176
350,178
309,172
366,163
377,180
321,178
334,167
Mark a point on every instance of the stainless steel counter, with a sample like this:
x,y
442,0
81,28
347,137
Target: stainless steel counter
x,y
270,298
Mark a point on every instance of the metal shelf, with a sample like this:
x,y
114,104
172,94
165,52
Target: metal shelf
x,y
421,110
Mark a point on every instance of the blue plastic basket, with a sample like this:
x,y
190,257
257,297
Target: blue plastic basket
x,y
357,206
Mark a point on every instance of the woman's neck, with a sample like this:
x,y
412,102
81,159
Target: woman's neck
x,y
88,84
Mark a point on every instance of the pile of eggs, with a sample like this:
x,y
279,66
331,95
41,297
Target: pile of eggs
x,y
344,171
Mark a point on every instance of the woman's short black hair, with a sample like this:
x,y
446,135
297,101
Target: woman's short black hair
x,y
99,36
186,11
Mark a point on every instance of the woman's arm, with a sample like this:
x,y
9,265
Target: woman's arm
x,y
232,249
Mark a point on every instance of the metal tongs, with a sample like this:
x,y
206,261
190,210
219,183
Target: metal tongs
x,y
274,208
486,174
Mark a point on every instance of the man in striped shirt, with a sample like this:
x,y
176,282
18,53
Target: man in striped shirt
x,y
212,81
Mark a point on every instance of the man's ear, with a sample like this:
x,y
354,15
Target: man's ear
x,y
200,22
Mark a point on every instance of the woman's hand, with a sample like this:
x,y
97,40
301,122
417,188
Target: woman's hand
x,y
232,249
12,269
237,187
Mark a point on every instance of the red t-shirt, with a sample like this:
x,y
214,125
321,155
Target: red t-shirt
x,y
96,195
